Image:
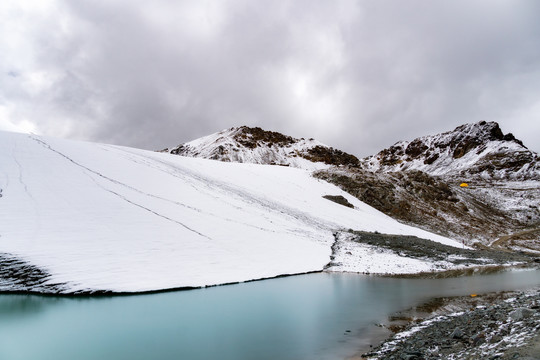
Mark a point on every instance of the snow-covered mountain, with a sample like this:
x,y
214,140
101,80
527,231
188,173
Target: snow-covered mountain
x,y
471,150
78,217
86,217
256,146
416,182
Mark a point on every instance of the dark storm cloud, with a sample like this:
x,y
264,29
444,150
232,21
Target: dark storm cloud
x,y
358,75
432,66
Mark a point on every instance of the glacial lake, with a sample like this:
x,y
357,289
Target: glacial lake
x,y
298,317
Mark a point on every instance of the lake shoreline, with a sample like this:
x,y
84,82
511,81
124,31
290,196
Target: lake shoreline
x,y
373,253
55,290
325,316
428,260
498,325
110,293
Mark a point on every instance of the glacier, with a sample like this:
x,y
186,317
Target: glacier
x,y
97,217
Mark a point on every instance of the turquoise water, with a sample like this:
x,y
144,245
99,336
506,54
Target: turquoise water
x,y
300,317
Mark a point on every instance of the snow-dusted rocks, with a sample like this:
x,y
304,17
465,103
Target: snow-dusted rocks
x,y
470,150
352,256
89,217
257,146
418,182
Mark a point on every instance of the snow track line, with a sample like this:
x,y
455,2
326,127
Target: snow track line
x,y
152,211
6,177
264,204
20,171
37,223
191,179
47,146
241,195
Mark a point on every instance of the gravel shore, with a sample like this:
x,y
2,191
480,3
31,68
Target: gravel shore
x,y
493,326
414,247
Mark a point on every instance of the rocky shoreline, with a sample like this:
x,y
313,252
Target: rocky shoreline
x,y
418,248
411,256
503,325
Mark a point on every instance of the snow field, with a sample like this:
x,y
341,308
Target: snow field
x,y
102,217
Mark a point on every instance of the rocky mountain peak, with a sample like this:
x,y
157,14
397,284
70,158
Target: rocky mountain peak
x,y
469,136
479,149
252,137
254,145
418,181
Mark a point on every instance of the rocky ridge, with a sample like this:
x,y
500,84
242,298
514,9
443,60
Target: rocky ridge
x,y
416,182
257,146
470,151
484,213
473,183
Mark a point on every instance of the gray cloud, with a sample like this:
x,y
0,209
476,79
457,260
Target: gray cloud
x,y
357,75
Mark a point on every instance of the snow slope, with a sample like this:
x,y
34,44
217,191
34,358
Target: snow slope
x,y
102,217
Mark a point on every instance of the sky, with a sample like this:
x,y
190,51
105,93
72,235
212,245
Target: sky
x,y
356,75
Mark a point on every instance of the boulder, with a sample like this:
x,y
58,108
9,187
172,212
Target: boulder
x,y
457,334
521,313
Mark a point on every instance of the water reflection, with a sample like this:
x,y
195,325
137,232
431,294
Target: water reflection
x,y
25,305
318,316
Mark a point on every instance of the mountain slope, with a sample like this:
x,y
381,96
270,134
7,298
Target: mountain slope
x,y
479,150
480,214
85,217
256,146
418,182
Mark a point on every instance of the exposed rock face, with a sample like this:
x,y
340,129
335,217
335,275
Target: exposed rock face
x,y
339,200
478,150
416,182
477,213
330,156
257,146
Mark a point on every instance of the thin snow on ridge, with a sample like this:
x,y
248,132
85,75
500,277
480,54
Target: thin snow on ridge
x,y
479,148
102,217
256,146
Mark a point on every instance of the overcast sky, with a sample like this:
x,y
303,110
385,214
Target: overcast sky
x,y
356,75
